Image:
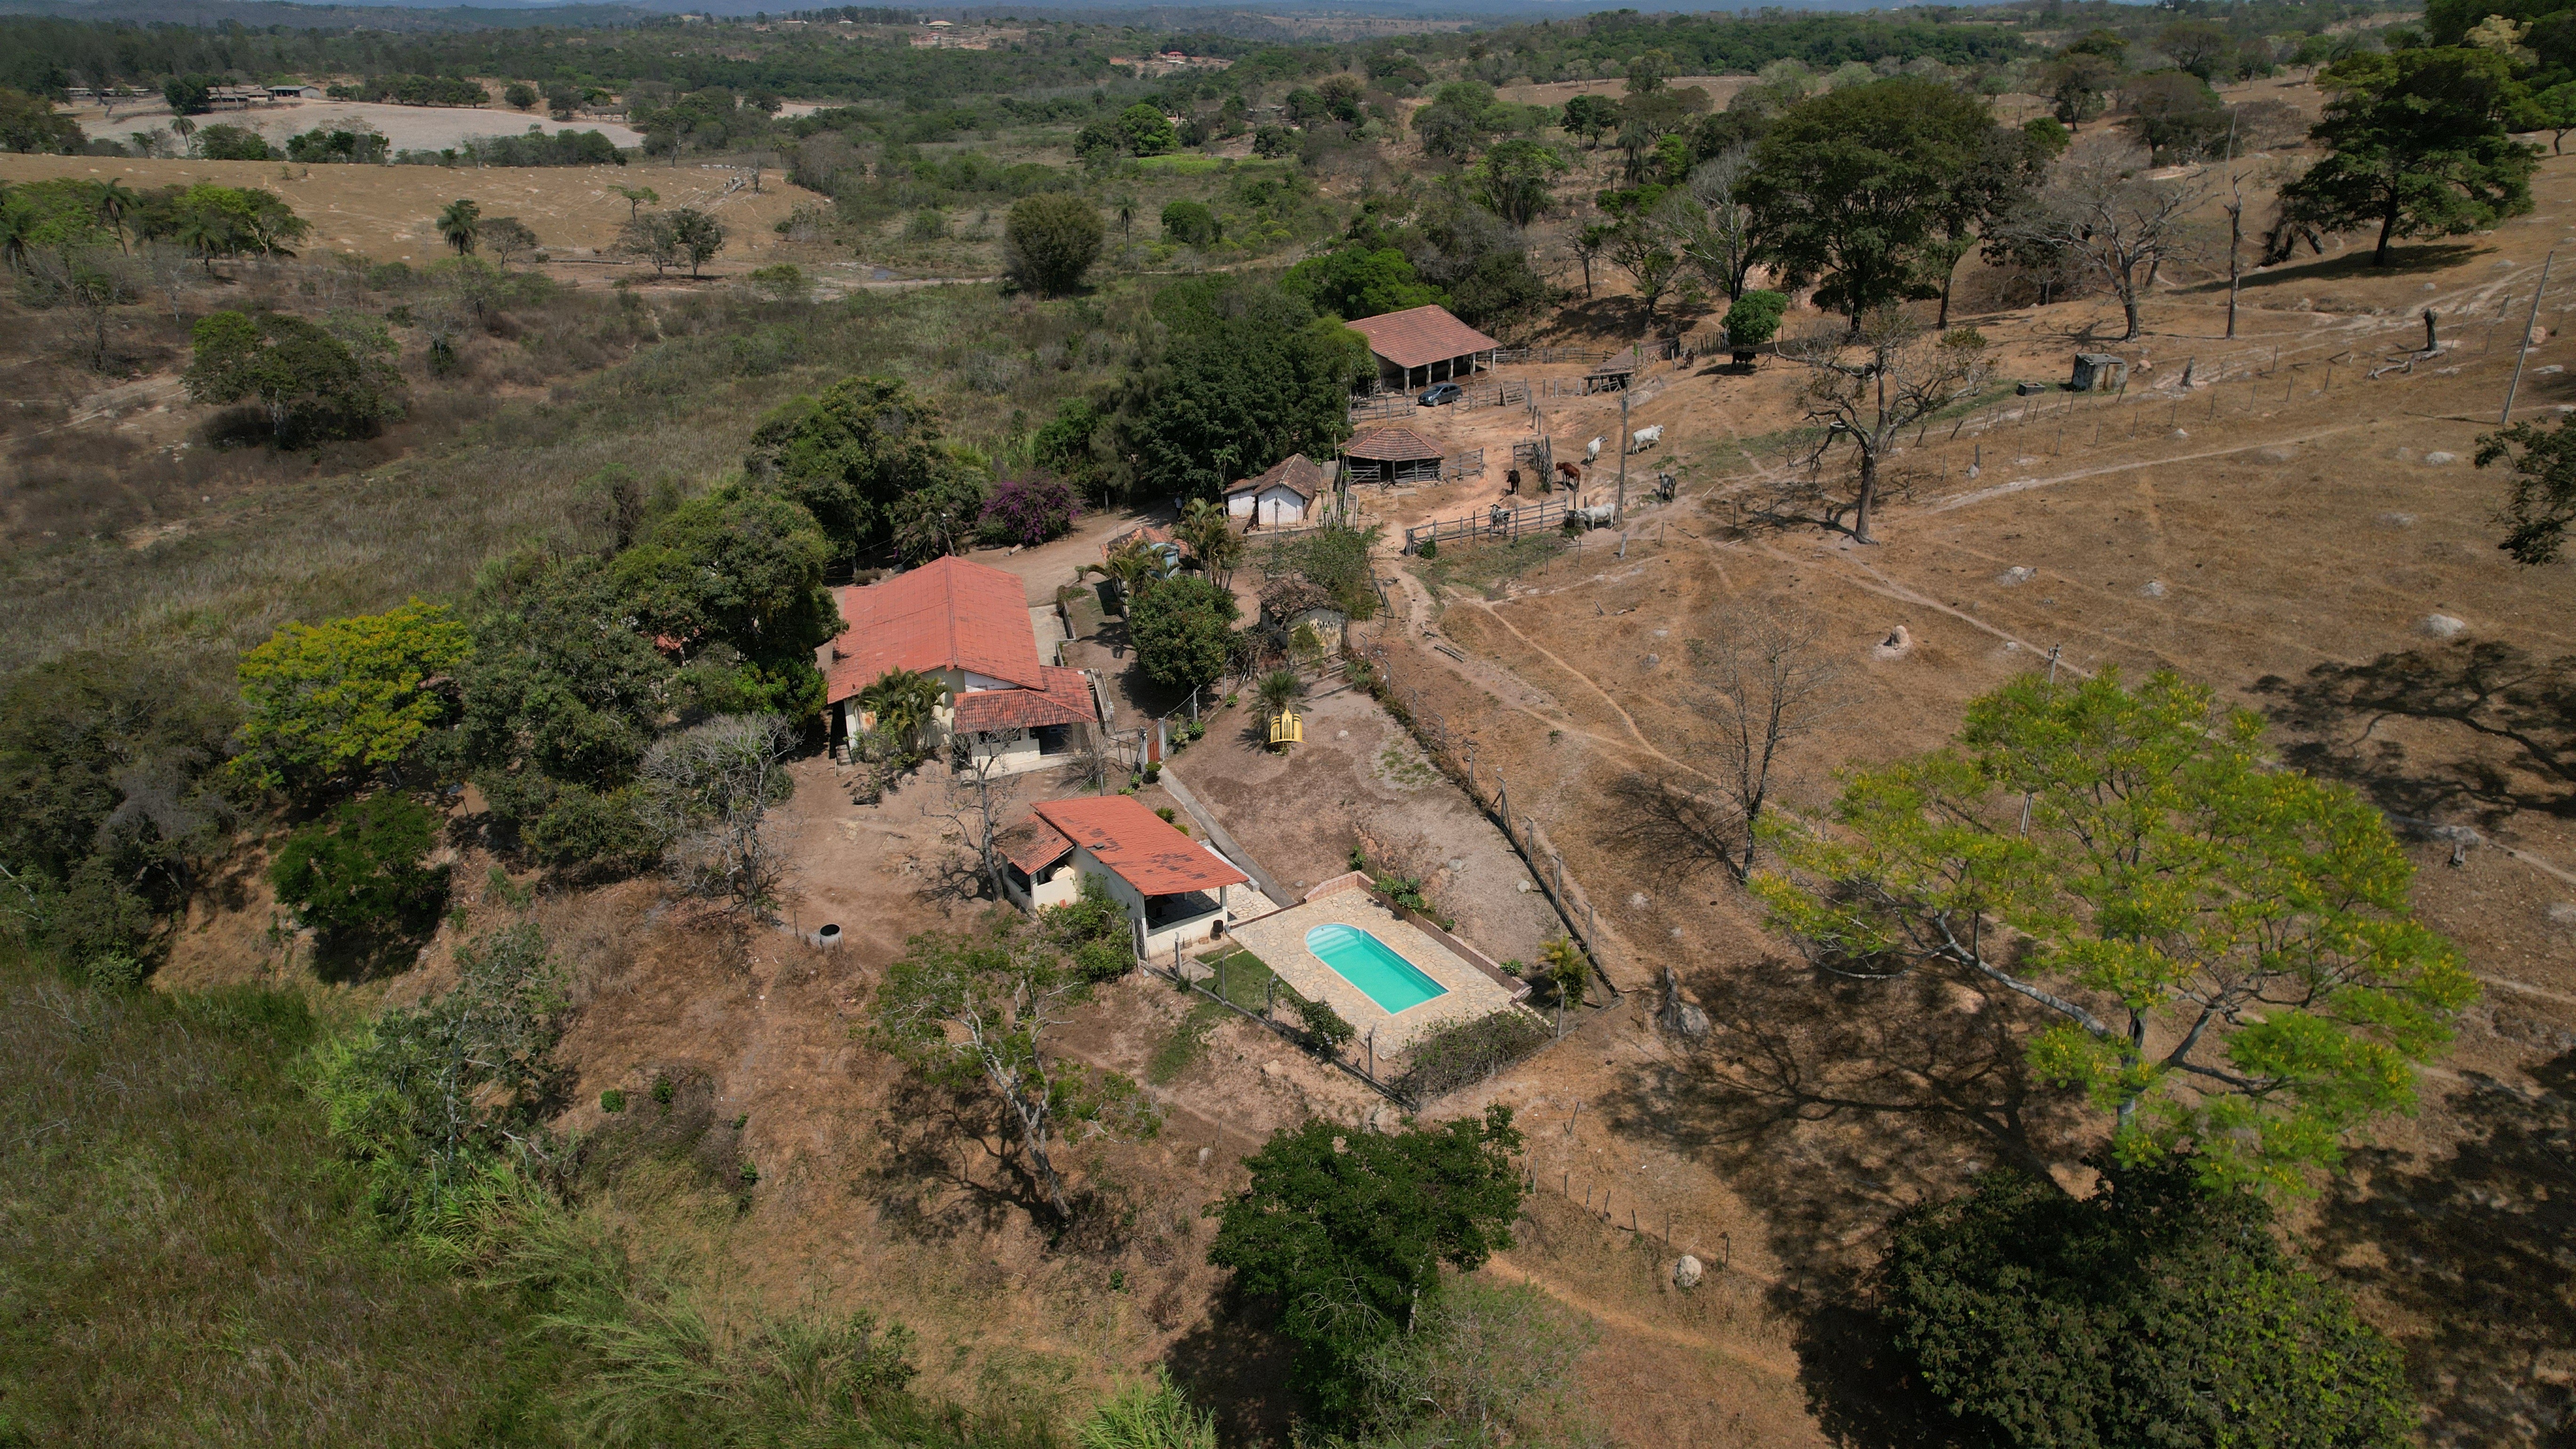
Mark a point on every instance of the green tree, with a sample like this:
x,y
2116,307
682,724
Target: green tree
x,y
942,516
1356,280
1051,239
1754,320
974,1008
508,237
1512,181
1348,1231
428,1097
2075,84
2197,46
1191,223
1143,130
696,237
1851,186
359,874
461,222
2543,501
1183,630
332,703
519,96
212,221
1590,117
1250,379
312,383
30,123
1461,117
2153,1312
735,579
560,686
2418,147
2227,947
848,454
637,198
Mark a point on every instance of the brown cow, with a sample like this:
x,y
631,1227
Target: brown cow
x,y
1571,472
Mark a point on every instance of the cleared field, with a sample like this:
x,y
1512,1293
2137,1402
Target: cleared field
x,y
386,212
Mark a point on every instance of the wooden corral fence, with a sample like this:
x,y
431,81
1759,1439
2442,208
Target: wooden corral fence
x,y
1383,405
1496,524
1492,395
1465,463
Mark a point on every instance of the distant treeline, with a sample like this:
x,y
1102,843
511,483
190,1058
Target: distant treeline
x,y
563,148
414,90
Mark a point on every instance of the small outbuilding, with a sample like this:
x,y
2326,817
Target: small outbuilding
x,y
1422,345
1283,495
2098,372
1393,454
1175,890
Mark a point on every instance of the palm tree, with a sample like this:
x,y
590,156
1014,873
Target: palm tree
x,y
186,131
1278,689
902,701
1211,537
1134,565
461,223
204,232
114,202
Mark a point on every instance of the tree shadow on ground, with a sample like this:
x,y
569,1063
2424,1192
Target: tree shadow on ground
x,y
1236,1365
2479,1249
2516,712
2355,266
923,1184
1829,1105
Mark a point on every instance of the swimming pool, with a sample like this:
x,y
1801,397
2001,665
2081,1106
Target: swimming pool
x,y
1371,965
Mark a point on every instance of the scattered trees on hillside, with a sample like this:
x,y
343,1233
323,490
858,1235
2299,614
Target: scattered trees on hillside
x,y
2418,147
669,238
1051,239
2228,948
2103,213
1867,389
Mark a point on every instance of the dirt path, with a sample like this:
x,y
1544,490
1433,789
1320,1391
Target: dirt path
x,y
1784,1365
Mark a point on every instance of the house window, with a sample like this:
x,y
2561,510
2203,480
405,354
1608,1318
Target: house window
x,y
1055,739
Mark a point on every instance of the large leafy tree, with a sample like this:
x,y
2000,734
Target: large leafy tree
x,y
2153,1312
1360,280
2227,948
974,1008
850,453
1247,377
560,686
1852,185
334,702
741,571
2418,147
1184,631
1348,1230
360,874
1512,181
310,382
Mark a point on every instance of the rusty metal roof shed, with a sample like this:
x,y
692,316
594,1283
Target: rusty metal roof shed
x,y
1393,444
1420,336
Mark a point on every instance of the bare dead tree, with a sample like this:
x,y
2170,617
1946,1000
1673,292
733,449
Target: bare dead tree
x,y
2101,209
1759,681
976,804
708,793
1868,388
1717,233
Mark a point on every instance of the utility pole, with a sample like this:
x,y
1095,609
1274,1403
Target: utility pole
x,y
1619,510
2525,349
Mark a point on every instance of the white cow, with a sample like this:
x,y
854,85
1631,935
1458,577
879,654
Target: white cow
x,y
1592,450
1595,515
1644,438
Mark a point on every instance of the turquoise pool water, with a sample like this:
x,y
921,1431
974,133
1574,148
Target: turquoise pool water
x,y
1371,965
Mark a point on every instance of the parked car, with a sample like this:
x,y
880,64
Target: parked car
x,y
1447,392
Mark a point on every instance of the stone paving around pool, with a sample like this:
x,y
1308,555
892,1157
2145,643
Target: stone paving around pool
x,y
1279,940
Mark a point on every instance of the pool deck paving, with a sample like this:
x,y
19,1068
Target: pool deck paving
x,y
1280,941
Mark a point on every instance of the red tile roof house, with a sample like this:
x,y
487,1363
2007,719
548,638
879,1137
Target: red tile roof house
x,y
966,625
1176,891
1422,345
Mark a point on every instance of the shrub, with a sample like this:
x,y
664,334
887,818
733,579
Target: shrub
x,y
1324,1026
1754,319
1183,630
1028,508
1191,223
310,383
1462,1053
359,873
612,1100
599,832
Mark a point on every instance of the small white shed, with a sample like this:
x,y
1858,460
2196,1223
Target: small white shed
x,y
1282,496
